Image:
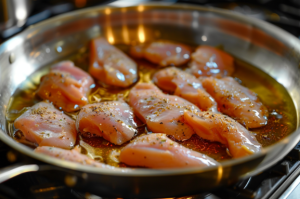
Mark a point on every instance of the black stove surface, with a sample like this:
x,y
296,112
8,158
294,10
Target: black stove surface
x,y
280,181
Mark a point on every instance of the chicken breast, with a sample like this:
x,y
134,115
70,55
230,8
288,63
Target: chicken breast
x,y
237,101
164,53
112,120
73,155
44,125
110,65
162,113
210,61
223,129
66,86
158,151
186,86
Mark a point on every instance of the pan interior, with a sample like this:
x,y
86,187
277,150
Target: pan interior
x,y
282,119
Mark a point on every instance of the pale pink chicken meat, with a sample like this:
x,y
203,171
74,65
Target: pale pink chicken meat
x,y
44,125
66,86
223,129
158,151
164,53
186,86
73,155
110,65
210,61
112,120
237,101
162,113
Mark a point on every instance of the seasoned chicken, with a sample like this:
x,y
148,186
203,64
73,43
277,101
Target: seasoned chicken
x,y
158,151
112,120
110,65
210,61
186,86
44,125
164,53
73,155
237,101
221,128
66,86
162,113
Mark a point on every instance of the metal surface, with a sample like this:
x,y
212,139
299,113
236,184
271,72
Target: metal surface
x,y
292,190
13,171
259,43
14,12
284,184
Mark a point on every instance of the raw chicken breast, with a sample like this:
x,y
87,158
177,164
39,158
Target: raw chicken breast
x,y
112,120
162,113
66,86
164,53
221,128
237,101
110,65
158,151
210,61
73,155
44,125
186,86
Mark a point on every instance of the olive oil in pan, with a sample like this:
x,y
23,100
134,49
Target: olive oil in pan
x,y
282,118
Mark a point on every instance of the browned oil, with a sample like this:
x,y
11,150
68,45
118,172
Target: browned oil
x,y
282,120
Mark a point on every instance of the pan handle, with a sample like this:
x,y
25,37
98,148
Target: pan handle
x,y
15,170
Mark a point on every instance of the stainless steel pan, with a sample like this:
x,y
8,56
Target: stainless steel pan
x,y
259,43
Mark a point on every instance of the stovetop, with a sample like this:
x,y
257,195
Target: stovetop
x,y
280,181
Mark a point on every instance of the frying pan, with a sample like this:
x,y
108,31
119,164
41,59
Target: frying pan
x,y
267,47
